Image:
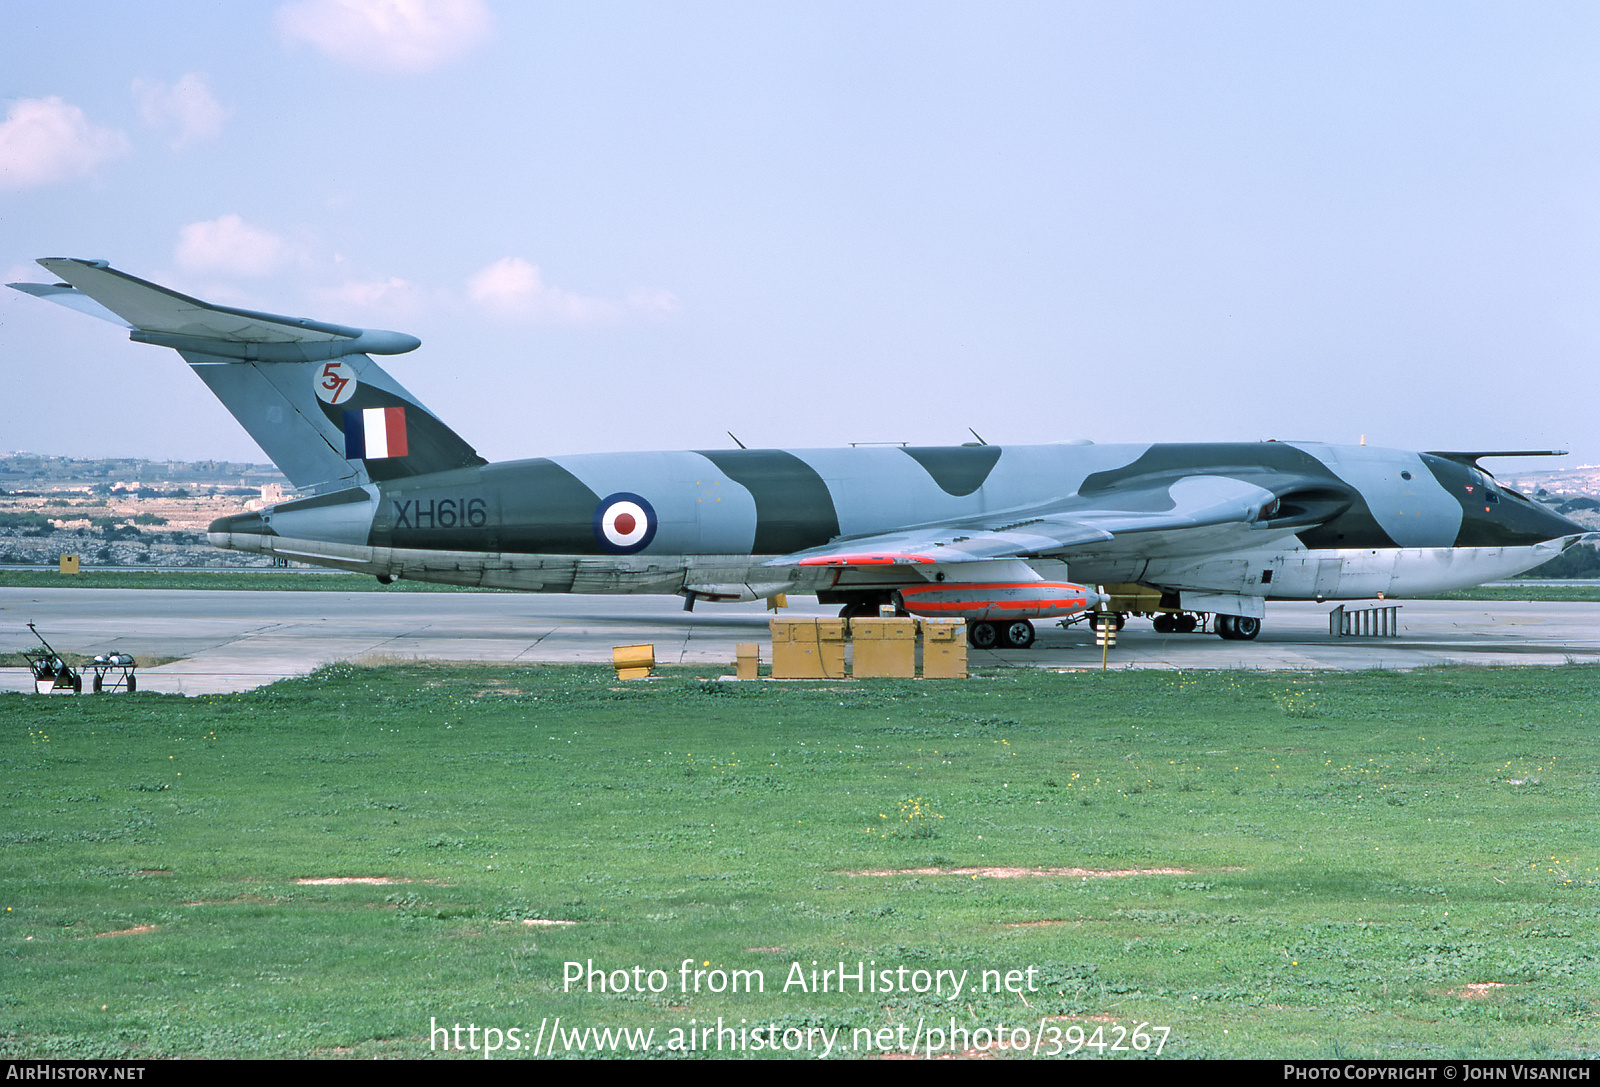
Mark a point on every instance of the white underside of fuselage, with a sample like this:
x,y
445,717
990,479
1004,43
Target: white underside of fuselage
x,y
1349,573
1268,574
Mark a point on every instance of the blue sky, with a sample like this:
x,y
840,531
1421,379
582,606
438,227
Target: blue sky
x,y
637,226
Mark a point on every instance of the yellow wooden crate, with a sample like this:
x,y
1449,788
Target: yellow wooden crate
x,y
884,648
807,648
944,648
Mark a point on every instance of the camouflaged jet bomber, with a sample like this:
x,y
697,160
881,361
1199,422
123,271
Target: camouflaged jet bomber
x,y
999,535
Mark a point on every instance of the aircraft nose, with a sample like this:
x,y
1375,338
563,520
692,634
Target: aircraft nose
x,y
1548,524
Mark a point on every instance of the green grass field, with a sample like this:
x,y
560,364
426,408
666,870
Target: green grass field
x,y
1557,593
1395,865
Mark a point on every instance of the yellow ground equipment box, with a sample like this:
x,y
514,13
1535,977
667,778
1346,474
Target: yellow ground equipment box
x,y
884,648
944,648
633,661
69,564
807,648
1132,598
747,660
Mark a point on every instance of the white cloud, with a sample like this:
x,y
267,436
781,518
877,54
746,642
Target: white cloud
x,y
187,108
511,287
44,140
230,245
373,292
405,36
392,298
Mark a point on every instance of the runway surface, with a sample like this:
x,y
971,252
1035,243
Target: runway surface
x,y
232,641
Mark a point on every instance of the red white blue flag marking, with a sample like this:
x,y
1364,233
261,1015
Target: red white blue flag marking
x,y
375,433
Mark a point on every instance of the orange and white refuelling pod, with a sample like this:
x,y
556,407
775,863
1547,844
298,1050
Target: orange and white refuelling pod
x,y
997,600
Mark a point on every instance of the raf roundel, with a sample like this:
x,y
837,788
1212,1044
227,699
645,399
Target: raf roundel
x,y
624,523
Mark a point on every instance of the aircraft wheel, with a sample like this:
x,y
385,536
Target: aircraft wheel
x,y
133,684
1018,634
983,635
98,683
859,611
1238,628
1186,623
77,684
1163,623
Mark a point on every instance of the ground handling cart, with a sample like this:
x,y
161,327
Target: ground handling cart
x,y
51,674
120,667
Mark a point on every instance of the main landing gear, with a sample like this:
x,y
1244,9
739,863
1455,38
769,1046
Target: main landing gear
x,y
1237,628
1175,623
1014,634
1018,633
1234,628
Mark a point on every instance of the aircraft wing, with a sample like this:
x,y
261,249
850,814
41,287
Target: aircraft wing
x,y
1167,516
956,541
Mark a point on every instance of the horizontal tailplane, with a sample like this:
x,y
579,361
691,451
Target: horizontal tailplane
x,y
307,391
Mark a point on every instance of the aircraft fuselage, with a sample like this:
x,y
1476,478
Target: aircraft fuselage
x,y
713,522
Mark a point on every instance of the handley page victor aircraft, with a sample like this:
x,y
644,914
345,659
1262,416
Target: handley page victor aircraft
x,y
989,533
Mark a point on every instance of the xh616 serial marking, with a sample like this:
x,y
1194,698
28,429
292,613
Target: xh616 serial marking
x,y
440,513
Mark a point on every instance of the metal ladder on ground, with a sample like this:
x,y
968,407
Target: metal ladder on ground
x,y
1379,622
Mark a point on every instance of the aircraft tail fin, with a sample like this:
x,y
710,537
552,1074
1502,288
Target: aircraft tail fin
x,y
307,391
